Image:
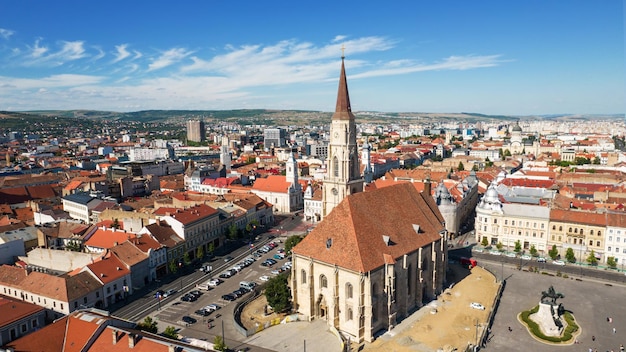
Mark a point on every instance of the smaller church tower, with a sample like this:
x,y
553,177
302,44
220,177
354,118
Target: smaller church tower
x,y
368,174
291,170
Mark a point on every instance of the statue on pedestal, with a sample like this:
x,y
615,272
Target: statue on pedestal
x,y
550,296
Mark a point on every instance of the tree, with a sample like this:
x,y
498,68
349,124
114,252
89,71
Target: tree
x,y
170,332
596,160
173,266
518,247
507,153
569,255
186,259
233,232
610,261
484,242
115,224
219,344
199,252
553,252
277,293
591,259
461,167
291,242
211,248
149,325
533,251
499,245
73,246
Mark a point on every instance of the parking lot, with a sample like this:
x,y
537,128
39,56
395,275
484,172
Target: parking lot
x,y
230,274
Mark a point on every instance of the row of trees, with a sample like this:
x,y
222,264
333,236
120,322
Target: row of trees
x,y
570,256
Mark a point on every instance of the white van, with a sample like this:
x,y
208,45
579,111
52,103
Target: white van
x,y
204,286
248,285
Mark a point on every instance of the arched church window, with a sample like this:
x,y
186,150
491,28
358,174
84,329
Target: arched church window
x,y
348,290
336,166
323,281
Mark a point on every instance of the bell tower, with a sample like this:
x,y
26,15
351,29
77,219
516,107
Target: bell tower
x,y
343,175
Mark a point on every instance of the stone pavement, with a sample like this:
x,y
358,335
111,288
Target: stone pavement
x,y
297,336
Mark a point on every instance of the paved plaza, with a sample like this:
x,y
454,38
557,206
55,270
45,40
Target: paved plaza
x,y
591,302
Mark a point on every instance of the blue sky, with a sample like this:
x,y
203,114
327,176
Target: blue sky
x,y
514,57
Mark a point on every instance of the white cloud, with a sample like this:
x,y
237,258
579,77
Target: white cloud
x,y
100,54
339,38
50,82
168,58
121,52
38,51
6,33
399,67
137,55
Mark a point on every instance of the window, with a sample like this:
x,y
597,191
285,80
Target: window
x,y
323,281
554,227
610,238
560,228
618,239
34,323
85,300
616,250
349,314
590,243
575,230
24,328
543,225
597,243
61,305
348,290
495,221
75,305
512,222
570,230
506,222
581,231
303,276
599,233
336,166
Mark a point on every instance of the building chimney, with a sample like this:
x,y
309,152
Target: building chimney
x,y
131,340
427,186
115,337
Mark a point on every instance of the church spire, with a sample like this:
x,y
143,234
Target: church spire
x,y
343,111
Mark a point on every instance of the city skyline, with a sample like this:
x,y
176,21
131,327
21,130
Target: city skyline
x,y
512,58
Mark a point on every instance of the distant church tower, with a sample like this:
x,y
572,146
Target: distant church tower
x,y
225,154
343,175
368,174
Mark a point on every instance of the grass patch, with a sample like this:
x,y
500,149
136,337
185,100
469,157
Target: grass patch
x,y
567,334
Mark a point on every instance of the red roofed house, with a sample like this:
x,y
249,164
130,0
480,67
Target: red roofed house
x,y
18,319
198,226
90,330
105,238
283,192
113,275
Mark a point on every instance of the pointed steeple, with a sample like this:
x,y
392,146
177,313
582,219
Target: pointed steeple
x,y
343,111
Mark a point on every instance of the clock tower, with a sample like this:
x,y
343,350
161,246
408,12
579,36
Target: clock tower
x,y
343,176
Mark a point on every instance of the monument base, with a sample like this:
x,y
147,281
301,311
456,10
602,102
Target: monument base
x,y
545,317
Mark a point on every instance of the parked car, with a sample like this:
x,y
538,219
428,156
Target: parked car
x,y
215,282
264,278
212,307
541,259
188,298
169,292
526,257
495,252
203,312
229,297
558,262
228,258
189,320
511,255
476,305
196,293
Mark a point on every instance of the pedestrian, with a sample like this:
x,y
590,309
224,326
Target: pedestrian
x,y
510,329
593,337
610,320
614,330
621,347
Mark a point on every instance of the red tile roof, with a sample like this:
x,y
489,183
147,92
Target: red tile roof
x,y
351,236
14,310
193,214
272,183
107,238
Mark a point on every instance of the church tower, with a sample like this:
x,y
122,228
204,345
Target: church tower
x,y
343,175
225,154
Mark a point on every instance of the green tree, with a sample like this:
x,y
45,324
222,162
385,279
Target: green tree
x,y
591,259
186,259
149,325
461,167
199,252
569,255
219,344
484,242
170,332
533,251
291,242
115,224
553,252
211,248
277,293
596,160
173,266
507,153
73,246
499,245
611,262
518,247
233,232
